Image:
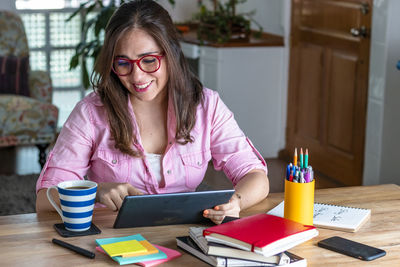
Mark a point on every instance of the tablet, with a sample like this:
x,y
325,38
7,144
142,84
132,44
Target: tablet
x,y
172,208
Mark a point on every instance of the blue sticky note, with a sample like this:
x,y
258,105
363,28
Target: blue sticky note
x,y
123,261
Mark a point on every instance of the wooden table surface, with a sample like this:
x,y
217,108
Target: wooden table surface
x,y
25,240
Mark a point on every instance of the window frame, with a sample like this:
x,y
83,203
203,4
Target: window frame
x,y
48,48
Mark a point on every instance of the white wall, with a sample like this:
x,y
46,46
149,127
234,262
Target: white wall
x,y
285,22
7,5
268,13
377,66
390,152
182,11
383,130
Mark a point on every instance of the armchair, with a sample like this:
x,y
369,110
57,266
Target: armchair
x,y
27,115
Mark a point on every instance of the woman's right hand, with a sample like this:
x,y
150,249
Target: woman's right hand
x,y
112,194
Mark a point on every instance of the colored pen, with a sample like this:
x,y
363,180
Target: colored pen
x,y
288,171
76,249
311,177
294,171
295,157
307,176
301,158
306,159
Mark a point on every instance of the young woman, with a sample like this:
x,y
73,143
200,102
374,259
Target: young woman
x,y
150,127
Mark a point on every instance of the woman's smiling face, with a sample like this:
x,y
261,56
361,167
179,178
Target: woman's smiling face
x,y
143,86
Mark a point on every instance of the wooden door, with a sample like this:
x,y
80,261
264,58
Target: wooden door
x,y
328,85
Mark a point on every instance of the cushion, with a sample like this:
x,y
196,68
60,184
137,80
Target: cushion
x,y
14,75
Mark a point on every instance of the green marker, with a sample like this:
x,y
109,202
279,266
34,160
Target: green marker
x,y
301,158
306,159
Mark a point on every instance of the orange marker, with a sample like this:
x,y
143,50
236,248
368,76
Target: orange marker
x,y
295,157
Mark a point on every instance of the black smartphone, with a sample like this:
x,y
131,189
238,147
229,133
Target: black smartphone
x,y
351,248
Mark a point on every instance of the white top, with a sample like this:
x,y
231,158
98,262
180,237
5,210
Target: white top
x,y
154,161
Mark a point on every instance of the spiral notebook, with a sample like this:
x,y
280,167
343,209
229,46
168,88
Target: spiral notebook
x,y
348,219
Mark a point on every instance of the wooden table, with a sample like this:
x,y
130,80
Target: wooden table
x,y
25,240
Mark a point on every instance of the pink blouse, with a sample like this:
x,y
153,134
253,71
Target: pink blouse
x,y
85,148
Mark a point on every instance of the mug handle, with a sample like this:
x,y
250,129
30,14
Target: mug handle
x,y
52,202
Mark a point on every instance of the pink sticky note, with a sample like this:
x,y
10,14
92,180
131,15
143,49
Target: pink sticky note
x,y
171,254
100,250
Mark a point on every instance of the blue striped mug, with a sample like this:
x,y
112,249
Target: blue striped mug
x,y
77,200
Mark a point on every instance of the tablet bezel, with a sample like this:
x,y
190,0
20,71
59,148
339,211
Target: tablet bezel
x,y
169,209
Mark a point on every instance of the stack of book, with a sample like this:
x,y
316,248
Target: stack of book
x,y
258,240
135,249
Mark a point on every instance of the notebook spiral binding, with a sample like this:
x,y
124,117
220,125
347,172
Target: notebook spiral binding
x,y
339,206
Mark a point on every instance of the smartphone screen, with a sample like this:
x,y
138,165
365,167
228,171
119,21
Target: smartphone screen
x,y
351,248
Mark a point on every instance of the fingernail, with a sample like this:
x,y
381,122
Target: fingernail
x,y
205,212
216,207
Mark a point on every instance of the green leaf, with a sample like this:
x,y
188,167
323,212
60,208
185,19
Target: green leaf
x,y
91,46
85,75
74,62
80,47
96,52
87,26
90,8
103,18
81,7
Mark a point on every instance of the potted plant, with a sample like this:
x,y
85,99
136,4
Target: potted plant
x,y
223,24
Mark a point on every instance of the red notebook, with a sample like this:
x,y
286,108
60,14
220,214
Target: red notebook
x,y
262,233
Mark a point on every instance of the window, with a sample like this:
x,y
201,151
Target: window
x,y
52,43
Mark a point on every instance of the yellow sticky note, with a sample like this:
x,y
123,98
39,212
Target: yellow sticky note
x,y
123,247
150,250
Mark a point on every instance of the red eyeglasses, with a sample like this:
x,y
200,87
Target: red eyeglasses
x,y
148,63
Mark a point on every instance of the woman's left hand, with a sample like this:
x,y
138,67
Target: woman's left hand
x,y
218,213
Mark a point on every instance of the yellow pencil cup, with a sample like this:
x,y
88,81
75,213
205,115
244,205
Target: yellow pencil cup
x,y
299,202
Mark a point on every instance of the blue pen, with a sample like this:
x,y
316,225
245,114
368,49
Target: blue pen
x,y
288,171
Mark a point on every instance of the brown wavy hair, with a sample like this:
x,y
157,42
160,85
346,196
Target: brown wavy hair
x,y
183,86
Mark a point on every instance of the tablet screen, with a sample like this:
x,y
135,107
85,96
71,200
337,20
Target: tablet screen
x,y
166,209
